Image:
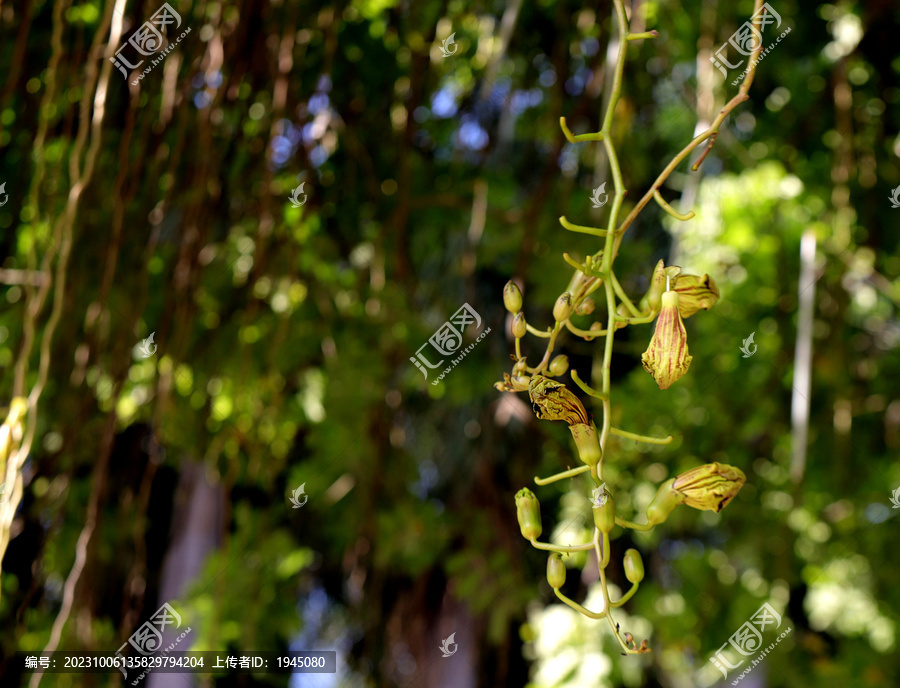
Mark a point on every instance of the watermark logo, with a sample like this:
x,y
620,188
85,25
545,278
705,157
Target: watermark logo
x,y
295,199
748,342
894,198
448,339
147,347
595,199
895,499
149,637
148,39
6,195
446,643
748,639
748,38
446,44
296,494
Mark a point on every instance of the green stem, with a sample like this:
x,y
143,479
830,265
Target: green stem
x,y
624,298
571,138
640,438
578,266
571,473
669,209
627,596
585,387
587,334
577,607
638,321
562,548
581,229
634,526
645,34
538,333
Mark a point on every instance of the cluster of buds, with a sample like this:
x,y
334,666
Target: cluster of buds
x,y
670,299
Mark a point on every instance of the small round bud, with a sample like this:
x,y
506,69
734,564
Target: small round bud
x,y
512,297
556,571
562,309
586,307
528,511
559,365
519,368
519,327
634,567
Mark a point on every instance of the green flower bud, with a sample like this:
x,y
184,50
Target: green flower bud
x,y
634,567
586,307
556,571
711,486
604,510
652,299
528,511
512,297
559,365
663,503
587,443
518,325
562,309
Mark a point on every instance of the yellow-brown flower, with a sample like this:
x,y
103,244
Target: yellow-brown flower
x,y
552,400
667,358
695,293
711,486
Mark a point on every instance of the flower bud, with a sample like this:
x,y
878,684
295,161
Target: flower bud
x,y
559,365
556,571
667,357
520,367
518,325
528,511
512,297
663,503
634,567
652,299
562,309
586,307
711,486
695,293
604,510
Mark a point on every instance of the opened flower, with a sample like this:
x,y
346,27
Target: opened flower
x,y
552,400
667,357
695,293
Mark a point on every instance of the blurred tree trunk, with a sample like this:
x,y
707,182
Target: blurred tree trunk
x,y
197,526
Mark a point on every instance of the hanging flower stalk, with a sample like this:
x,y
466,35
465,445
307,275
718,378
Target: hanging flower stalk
x,y
671,298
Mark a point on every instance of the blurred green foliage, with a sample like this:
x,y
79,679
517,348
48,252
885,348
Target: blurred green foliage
x,y
285,333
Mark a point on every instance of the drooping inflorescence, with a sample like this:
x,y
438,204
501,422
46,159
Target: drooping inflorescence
x,y
671,298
